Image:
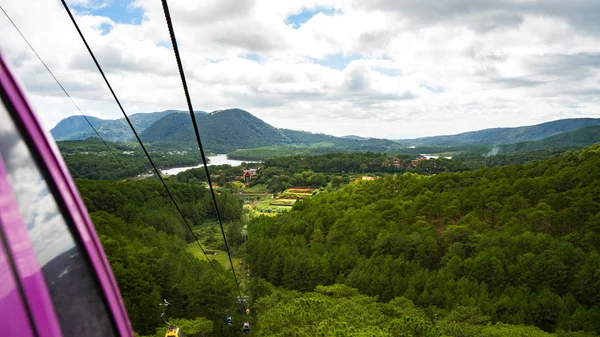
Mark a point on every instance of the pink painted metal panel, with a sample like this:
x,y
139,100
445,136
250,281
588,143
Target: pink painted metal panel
x,y
30,273
69,194
13,314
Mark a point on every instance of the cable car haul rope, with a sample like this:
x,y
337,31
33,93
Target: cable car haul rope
x,y
246,326
173,331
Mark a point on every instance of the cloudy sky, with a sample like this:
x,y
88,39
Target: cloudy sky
x,y
378,68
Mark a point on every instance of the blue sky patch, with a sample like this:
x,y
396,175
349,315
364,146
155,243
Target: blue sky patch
x,y
387,71
166,44
336,61
117,10
106,28
252,56
301,18
435,90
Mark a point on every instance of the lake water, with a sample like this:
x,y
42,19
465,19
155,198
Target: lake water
x,y
429,156
220,159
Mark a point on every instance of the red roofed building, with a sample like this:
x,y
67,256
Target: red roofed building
x,y
417,161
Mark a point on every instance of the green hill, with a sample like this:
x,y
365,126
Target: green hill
x,y
577,138
506,135
76,125
340,143
169,126
113,130
308,143
221,131
226,130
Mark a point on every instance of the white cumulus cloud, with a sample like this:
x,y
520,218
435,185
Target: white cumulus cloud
x,y
382,68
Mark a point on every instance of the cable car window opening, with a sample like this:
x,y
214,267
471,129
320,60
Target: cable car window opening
x,y
75,295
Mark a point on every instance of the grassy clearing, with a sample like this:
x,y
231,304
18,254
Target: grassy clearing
x,y
220,256
258,188
269,207
263,204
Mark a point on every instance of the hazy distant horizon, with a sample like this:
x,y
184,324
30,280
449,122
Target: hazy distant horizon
x,y
344,135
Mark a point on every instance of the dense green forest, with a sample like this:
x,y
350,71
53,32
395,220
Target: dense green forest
x,y
220,174
274,151
474,246
339,310
91,160
372,145
509,245
338,162
337,169
363,162
145,241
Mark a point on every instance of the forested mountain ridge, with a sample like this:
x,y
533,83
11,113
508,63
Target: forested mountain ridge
x,y
576,138
519,244
228,130
168,126
246,137
221,131
506,135
74,127
114,130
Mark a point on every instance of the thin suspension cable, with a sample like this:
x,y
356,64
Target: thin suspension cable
x,y
63,88
136,135
197,133
66,93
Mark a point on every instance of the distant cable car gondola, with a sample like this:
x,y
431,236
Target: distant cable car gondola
x,y
246,327
173,331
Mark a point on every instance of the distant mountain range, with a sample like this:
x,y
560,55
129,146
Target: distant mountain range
x,y
497,136
114,130
221,131
577,138
224,131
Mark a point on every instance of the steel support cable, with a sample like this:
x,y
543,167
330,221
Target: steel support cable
x,y
197,133
63,88
137,136
66,93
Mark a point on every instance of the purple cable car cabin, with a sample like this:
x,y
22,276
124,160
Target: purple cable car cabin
x,y
54,277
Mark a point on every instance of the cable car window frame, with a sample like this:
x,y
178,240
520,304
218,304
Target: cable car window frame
x,y
13,305
70,204
28,273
